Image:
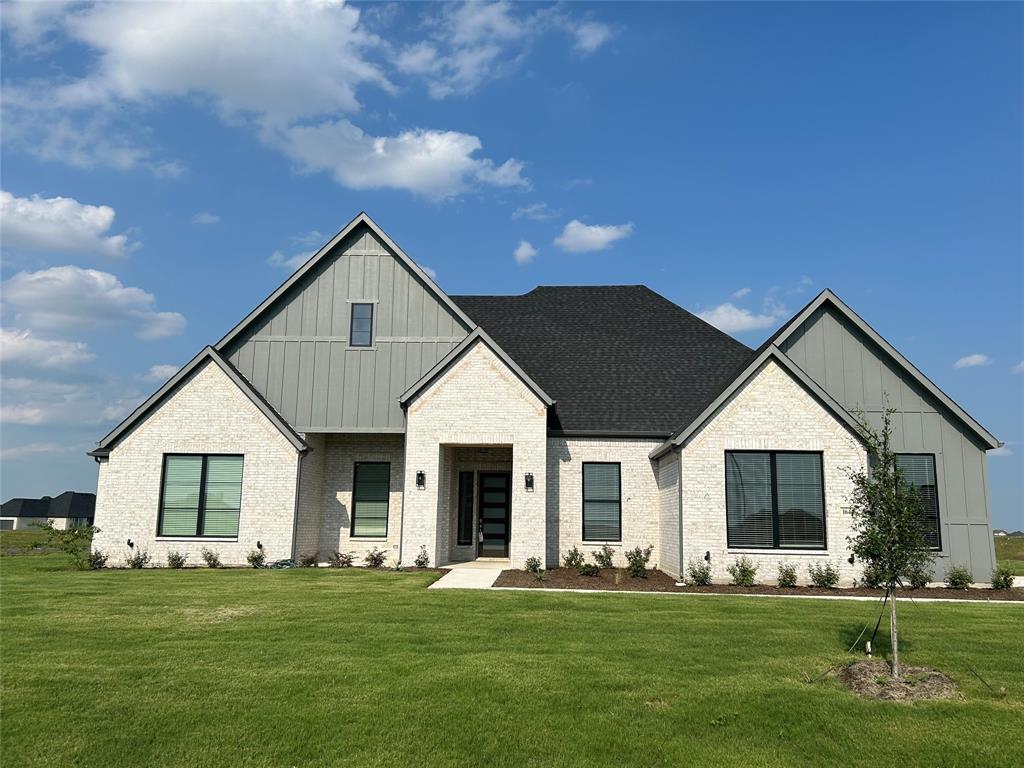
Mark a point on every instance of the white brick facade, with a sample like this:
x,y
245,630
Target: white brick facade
x,y
771,412
207,414
668,485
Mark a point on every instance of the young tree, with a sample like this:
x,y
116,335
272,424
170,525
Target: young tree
x,y
887,515
76,542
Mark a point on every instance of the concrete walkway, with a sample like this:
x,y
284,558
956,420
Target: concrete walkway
x,y
476,574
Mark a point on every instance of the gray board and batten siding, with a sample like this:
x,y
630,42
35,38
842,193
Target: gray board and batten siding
x,y
860,375
296,353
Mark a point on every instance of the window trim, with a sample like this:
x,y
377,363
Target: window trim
x,y
352,319
201,512
387,520
775,502
583,497
938,506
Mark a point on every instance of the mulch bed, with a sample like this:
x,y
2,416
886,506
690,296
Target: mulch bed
x,y
872,680
657,581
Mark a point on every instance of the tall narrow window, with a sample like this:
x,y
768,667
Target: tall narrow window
x,y
465,526
774,500
201,496
361,332
602,502
370,492
918,469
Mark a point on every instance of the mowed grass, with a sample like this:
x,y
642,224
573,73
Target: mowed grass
x,y
1010,552
350,667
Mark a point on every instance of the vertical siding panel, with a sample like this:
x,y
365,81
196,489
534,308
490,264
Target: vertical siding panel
x,y
310,299
414,313
931,432
814,340
336,385
412,363
371,277
260,366
953,461
350,405
278,324
381,389
852,372
275,374
400,315
835,368
324,301
356,270
913,438
367,372
289,397
974,489
385,293
304,400
892,387
293,315
321,380
872,368
339,310
429,311
397,383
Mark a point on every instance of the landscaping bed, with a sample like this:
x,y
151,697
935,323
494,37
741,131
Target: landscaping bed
x,y
657,581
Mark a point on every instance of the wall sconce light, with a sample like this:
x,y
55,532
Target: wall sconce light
x,y
529,481
707,556
131,544
421,480
851,560
259,545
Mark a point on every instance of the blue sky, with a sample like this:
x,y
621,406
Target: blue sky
x,y
736,158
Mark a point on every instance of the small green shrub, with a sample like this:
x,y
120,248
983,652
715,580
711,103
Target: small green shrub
x,y
825,575
636,561
309,561
97,559
374,558
573,559
210,557
917,578
787,575
423,558
257,558
871,577
341,560
176,560
743,572
959,577
1002,578
603,556
698,573
137,558
589,569
534,565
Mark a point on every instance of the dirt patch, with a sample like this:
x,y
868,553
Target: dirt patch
x,y
872,680
619,579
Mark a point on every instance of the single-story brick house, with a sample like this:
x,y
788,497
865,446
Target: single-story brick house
x,y
359,406
70,509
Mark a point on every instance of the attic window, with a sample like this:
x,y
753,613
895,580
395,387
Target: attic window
x,y
361,332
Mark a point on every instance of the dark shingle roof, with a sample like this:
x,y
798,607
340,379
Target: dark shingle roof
x,y
619,359
67,504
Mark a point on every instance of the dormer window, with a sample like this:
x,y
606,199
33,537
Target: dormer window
x,y
361,332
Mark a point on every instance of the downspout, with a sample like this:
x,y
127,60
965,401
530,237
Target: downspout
x,y
679,508
295,510
405,471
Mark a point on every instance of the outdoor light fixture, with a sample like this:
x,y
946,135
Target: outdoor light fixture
x,y
421,480
707,556
529,481
850,561
131,544
259,545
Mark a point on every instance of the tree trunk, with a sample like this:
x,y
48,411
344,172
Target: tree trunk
x,y
894,635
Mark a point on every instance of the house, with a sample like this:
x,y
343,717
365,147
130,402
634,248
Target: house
x,y
68,510
998,532
361,407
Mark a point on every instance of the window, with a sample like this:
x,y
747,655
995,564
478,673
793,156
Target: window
x,y
465,526
370,492
201,496
361,332
602,502
918,469
6,525
774,500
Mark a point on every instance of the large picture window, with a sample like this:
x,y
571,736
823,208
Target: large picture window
x,y
201,496
602,502
370,493
774,500
918,469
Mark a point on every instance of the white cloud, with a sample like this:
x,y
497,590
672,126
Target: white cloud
x,y
578,237
161,372
739,294
25,348
279,259
973,361
70,297
1003,450
1018,368
591,35
535,211
309,239
524,252
33,449
732,319
431,272
35,401
204,217
21,414
60,224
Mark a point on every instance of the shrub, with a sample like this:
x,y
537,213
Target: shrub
x,y
959,577
787,575
137,558
871,576
534,565
341,560
917,578
423,558
698,573
743,572
1002,578
210,557
603,556
176,560
637,560
257,558
310,560
589,569
374,558
825,575
573,559
76,542
97,559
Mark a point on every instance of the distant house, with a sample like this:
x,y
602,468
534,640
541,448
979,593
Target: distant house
x,y
998,532
69,510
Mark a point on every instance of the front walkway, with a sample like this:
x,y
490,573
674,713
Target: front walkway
x,y
475,574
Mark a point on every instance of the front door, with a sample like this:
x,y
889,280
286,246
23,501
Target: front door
x,y
495,502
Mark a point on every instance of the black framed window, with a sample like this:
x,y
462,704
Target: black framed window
x,y
774,500
201,495
361,330
602,501
465,522
371,489
918,469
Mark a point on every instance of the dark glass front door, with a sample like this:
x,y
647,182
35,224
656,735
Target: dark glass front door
x,y
494,514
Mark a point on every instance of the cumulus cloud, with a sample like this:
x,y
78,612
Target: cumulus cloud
x,y
70,297
524,252
578,237
973,361
729,318
34,449
431,272
29,401
535,211
160,372
21,346
739,294
1018,368
279,259
203,217
591,35
60,224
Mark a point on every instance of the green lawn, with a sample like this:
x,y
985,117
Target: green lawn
x,y
323,667
1010,552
